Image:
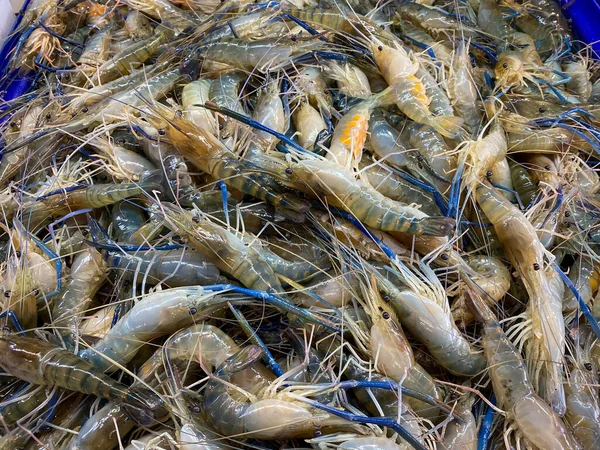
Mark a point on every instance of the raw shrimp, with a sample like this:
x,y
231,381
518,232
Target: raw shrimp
x,y
433,326
269,418
309,124
42,363
88,272
537,422
525,252
341,189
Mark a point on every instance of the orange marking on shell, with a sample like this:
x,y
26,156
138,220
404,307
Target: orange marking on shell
x,y
97,10
355,134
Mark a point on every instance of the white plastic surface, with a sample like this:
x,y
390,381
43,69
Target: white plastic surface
x,y
8,8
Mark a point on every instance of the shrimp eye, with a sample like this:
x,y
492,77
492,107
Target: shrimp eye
x,y
12,124
220,126
547,167
445,256
48,116
289,171
489,174
294,38
386,298
178,114
84,109
195,219
162,132
7,294
567,213
193,310
536,266
195,409
542,109
420,157
18,253
318,433
380,48
588,366
453,396
505,66
385,315
382,27
36,292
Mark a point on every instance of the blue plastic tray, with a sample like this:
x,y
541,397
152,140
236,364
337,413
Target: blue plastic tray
x,y
584,16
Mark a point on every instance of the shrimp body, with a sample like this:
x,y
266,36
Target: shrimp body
x,y
42,363
224,249
95,196
350,133
433,326
88,272
132,57
155,315
526,253
207,153
493,278
175,268
583,411
194,95
532,416
341,189
309,123
461,436
268,418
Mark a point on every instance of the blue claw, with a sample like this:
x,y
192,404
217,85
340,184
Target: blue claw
x,y
49,415
390,385
225,195
255,338
254,124
512,191
439,199
358,224
485,50
455,192
275,301
420,45
584,308
304,25
381,421
101,239
486,427
14,319
231,27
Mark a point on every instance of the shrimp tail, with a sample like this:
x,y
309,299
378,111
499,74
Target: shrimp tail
x,y
152,180
480,310
448,126
241,360
388,96
437,226
143,406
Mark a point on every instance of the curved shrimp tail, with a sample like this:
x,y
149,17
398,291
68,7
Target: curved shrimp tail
x,y
152,180
437,226
448,126
242,359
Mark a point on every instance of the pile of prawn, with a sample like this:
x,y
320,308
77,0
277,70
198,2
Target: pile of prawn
x,y
298,224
